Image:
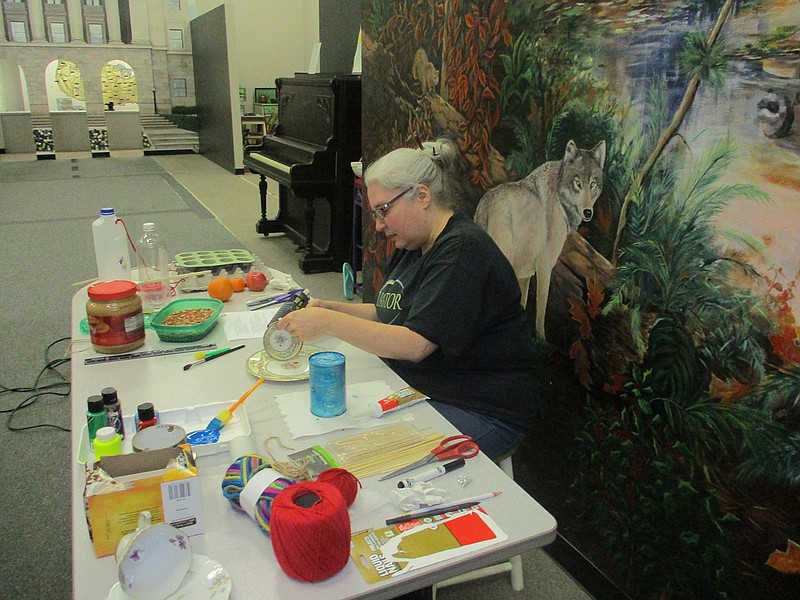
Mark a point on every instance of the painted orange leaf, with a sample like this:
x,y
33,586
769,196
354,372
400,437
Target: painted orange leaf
x,y
578,353
786,562
727,391
578,313
594,296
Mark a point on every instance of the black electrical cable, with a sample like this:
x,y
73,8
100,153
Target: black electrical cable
x,y
36,390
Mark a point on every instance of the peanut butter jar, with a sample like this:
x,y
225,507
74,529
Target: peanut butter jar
x,y
116,322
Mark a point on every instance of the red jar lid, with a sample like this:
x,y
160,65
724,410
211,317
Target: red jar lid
x,y
111,290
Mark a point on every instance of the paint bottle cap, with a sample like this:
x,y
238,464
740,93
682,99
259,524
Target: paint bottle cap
x,y
109,395
106,434
146,411
95,404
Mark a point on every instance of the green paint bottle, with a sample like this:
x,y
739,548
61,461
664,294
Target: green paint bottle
x,y
96,416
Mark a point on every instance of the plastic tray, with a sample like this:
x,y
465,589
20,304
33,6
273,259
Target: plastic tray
x,y
214,260
185,333
191,418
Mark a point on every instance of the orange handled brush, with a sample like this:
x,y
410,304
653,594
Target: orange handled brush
x,y
226,415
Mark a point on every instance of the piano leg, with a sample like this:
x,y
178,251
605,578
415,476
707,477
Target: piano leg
x,y
264,225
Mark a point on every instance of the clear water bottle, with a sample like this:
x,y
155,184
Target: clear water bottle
x,y
153,267
110,247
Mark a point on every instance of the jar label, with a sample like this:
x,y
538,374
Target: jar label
x,y
116,330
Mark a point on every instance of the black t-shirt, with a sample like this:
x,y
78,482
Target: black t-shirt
x,y
463,296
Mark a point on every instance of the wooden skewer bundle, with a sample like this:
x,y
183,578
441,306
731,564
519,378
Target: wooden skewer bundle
x,y
383,450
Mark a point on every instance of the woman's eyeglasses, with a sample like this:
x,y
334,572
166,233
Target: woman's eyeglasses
x,y
379,213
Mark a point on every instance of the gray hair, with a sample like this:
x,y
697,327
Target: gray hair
x,y
430,166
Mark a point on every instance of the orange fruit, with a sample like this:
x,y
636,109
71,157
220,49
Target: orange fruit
x,y
238,284
220,288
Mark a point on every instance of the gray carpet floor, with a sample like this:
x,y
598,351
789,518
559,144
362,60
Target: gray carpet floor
x,y
46,210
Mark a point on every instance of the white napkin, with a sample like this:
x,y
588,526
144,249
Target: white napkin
x,y
297,411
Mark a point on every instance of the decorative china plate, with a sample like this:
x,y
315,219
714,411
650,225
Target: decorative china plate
x,y
263,365
206,580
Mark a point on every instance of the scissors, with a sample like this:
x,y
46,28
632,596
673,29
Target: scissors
x,y
455,446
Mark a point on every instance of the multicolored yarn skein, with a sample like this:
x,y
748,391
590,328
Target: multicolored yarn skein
x,y
343,480
251,485
311,531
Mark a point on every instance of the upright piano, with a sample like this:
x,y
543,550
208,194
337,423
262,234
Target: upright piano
x,y
309,155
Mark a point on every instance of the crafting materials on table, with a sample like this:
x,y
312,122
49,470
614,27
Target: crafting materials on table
x,y
454,446
279,343
408,396
251,485
343,480
441,508
380,449
311,531
326,376
212,356
273,299
97,360
210,434
157,437
146,416
433,473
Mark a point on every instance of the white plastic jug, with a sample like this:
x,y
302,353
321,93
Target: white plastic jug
x,y
111,247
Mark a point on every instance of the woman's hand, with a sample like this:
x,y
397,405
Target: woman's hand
x,y
307,323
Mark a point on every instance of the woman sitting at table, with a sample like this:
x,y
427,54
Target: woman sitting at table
x,y
448,318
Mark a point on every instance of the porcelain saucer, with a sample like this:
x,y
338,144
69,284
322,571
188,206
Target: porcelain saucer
x,y
206,580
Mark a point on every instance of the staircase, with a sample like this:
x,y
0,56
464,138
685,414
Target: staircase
x,y
166,138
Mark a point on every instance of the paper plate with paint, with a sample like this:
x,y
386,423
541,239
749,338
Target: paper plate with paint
x,y
295,369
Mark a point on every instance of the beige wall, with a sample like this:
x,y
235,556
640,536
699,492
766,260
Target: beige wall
x,y
272,38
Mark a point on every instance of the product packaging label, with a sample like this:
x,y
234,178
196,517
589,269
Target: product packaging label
x,y
116,330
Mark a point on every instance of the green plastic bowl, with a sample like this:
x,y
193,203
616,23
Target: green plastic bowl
x,y
185,333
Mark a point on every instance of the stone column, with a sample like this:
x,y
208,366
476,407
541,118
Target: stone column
x,y
3,36
36,15
112,18
140,28
75,17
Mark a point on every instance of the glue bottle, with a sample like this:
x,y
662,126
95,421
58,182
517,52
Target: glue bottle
x,y
107,443
153,266
111,247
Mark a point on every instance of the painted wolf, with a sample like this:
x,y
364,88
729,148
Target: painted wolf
x,y
529,219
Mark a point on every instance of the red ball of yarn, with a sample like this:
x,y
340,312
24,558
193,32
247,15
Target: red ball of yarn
x,y
342,480
310,531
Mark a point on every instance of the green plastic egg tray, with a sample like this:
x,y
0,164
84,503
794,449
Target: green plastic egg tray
x,y
214,260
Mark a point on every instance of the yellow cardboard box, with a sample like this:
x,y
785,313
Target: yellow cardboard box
x,y
164,482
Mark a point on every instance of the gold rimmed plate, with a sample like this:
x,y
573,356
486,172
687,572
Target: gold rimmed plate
x,y
263,365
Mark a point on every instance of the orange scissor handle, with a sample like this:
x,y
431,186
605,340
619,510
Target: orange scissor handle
x,y
456,446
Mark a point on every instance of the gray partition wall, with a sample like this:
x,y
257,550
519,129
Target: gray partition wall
x,y
124,130
212,88
18,132
70,131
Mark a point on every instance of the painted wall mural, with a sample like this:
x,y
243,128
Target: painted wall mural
x,y
119,87
661,139
64,86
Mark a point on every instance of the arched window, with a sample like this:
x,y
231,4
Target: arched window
x,y
118,82
64,86
13,87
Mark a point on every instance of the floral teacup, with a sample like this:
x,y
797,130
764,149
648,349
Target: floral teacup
x,y
153,560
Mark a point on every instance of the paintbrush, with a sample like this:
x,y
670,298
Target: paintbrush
x,y
225,415
212,356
